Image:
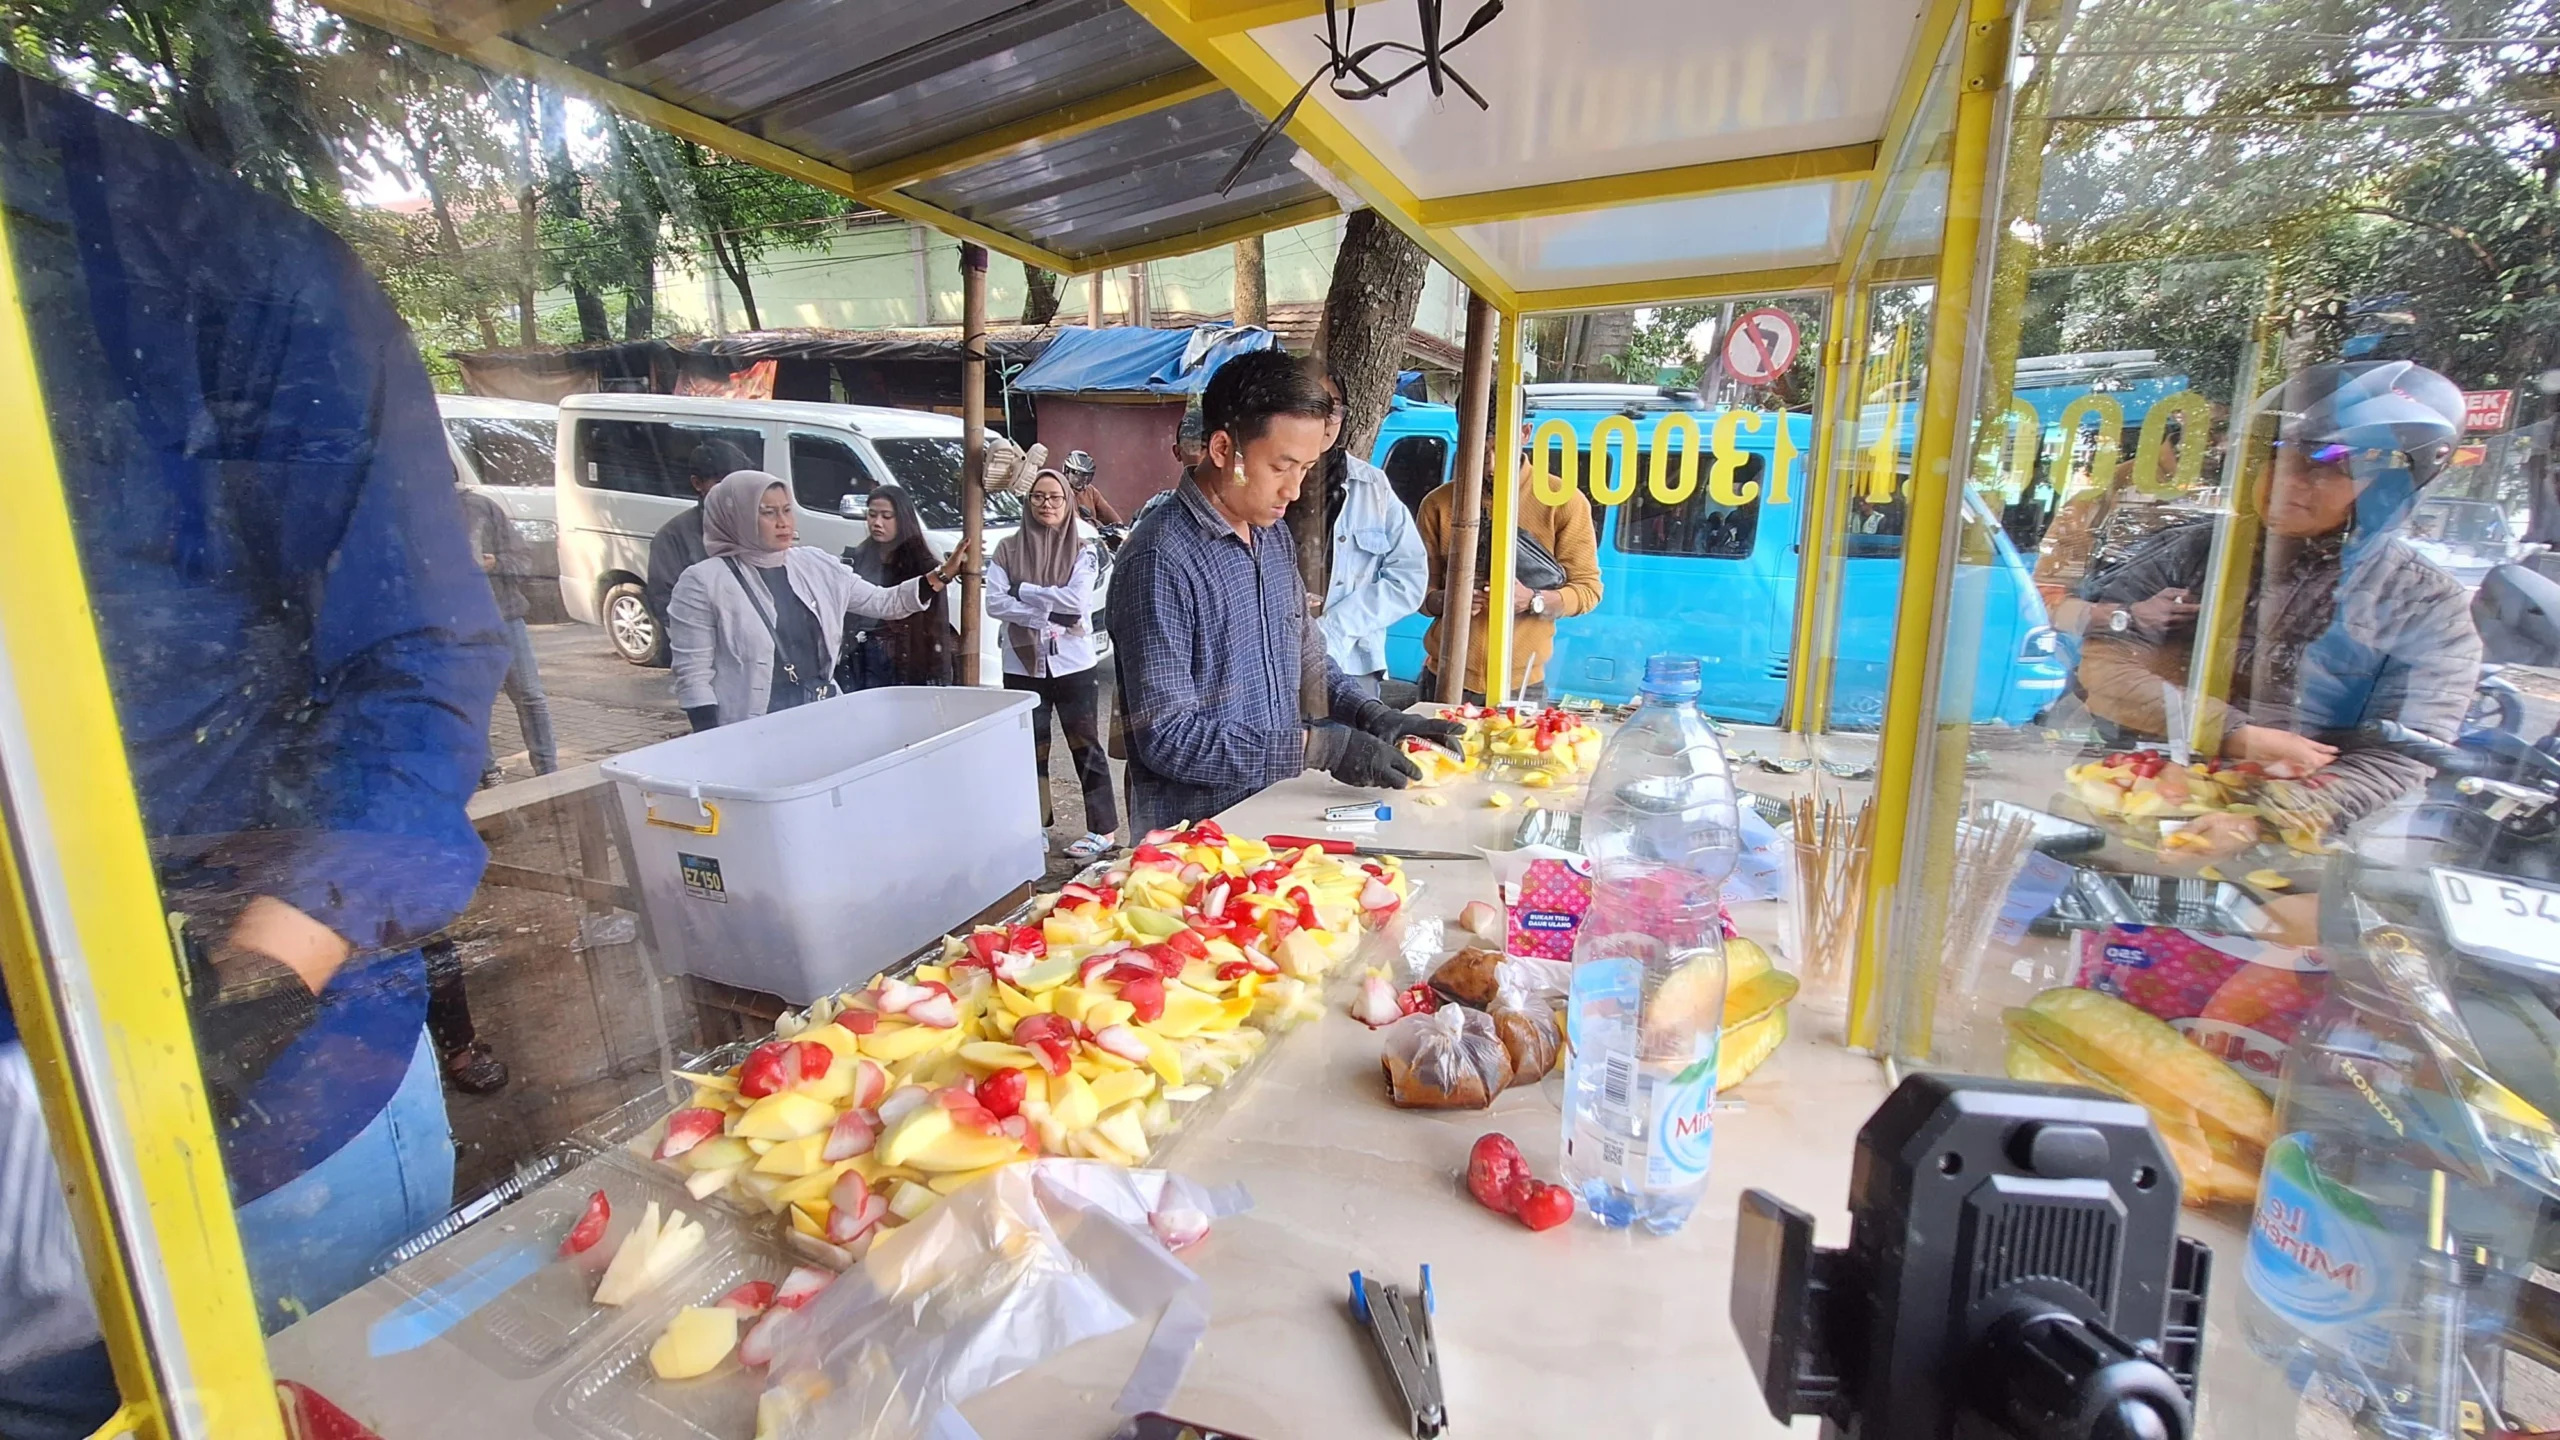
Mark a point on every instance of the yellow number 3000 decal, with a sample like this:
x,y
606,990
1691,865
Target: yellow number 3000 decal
x,y
1555,457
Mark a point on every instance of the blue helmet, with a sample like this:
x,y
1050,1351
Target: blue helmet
x,y
2392,405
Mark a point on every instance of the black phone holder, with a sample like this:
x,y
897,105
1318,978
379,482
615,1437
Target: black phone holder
x,y
2014,1269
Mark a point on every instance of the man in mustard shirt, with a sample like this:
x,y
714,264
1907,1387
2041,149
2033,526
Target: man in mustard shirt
x,y
1568,533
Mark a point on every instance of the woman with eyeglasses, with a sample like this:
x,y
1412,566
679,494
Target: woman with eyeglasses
x,y
919,649
755,627
1043,584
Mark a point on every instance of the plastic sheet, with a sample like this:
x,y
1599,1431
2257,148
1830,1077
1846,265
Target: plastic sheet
x,y
999,1277
1449,1059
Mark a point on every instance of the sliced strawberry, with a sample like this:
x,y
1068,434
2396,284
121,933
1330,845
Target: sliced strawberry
x,y
1107,896
1158,837
854,1133
1002,1093
965,1109
1282,926
1261,960
860,1022
751,1299
1378,898
982,947
1194,872
848,1193
687,1128
769,1069
1265,879
1122,1041
1019,1127
1214,899
1235,970
1209,833
1074,893
1049,1038
939,1011
1149,854
1306,912
847,1224
895,996
756,1347
1028,940
1097,965
1417,999
1168,961
1187,944
815,1060
1145,994
796,1287
870,1085
590,1227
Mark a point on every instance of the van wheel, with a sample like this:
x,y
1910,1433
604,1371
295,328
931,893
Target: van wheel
x,y
629,626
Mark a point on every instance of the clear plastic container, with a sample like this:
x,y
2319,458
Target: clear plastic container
x,y
536,1321
616,1396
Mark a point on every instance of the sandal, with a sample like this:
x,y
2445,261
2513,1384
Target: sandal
x,y
1091,847
474,1071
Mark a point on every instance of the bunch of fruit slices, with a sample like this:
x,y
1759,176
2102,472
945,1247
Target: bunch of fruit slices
x,y
2135,786
1542,745
1086,1030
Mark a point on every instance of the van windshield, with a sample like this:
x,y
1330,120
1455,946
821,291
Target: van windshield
x,y
929,467
507,452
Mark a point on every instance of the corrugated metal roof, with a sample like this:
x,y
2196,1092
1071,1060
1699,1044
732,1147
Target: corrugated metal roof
x,y
864,86
1139,181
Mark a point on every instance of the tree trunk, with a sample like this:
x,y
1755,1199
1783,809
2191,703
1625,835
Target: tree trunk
x,y
528,228
1368,314
640,304
1040,293
735,267
1253,300
561,179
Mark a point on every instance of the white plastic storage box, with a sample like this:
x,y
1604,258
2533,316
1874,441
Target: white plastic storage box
x,y
805,850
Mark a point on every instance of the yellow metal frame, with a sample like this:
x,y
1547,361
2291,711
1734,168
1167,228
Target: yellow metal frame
x,y
1809,666
1928,43
1905,761
1192,242
1502,509
1234,17
93,981
1644,187
1783,280
1083,117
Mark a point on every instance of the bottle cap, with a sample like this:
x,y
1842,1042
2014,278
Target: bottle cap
x,y
1675,676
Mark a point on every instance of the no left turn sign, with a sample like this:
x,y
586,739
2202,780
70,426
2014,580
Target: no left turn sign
x,y
1761,347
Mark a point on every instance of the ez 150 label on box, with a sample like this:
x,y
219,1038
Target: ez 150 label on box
x,y
702,877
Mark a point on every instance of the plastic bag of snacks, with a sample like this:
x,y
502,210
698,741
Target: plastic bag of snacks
x,y
1002,1275
2232,996
1526,997
1447,1059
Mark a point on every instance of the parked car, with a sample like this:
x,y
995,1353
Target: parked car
x,y
622,476
1719,582
505,449
2465,538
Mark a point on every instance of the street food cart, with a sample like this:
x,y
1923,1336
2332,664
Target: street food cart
x,y
1952,191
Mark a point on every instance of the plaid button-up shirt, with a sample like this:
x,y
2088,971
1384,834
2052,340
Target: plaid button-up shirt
x,y
1212,634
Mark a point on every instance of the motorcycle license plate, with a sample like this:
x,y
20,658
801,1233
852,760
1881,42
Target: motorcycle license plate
x,y
2499,919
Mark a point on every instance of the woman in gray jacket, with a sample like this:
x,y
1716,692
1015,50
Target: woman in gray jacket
x,y
756,626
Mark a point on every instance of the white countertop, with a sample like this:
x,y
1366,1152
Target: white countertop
x,y
1573,1332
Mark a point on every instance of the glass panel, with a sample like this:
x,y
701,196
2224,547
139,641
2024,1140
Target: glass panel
x,y
930,471
2267,400
824,471
649,457
513,453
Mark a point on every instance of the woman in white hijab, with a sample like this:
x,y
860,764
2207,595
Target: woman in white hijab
x,y
756,626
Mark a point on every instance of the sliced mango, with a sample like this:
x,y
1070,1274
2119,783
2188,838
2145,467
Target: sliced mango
x,y
903,1041
794,1157
1187,1012
914,1131
787,1115
1123,1085
962,1149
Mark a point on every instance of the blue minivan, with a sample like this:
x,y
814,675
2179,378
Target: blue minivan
x,y
1718,580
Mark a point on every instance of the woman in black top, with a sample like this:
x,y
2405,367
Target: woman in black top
x,y
921,649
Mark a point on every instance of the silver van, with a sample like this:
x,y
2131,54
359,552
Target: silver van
x,y
622,477
507,449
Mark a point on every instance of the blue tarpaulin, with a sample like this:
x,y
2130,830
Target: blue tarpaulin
x,y
1128,360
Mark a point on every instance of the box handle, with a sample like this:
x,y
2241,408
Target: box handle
x,y
710,818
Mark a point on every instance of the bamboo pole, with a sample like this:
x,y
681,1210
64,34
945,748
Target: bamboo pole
x,y
1466,513
973,454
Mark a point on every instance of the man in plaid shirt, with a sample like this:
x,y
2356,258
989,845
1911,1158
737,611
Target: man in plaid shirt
x,y
1211,621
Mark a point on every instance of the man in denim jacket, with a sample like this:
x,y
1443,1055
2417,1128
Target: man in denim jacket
x,y
1379,566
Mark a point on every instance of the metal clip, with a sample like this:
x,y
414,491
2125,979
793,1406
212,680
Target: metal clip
x,y
1400,1326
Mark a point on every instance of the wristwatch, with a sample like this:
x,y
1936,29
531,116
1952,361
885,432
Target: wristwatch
x,y
1537,602
2121,621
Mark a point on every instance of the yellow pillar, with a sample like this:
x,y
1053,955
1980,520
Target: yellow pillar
x,y
1815,646
1503,514
1905,764
93,981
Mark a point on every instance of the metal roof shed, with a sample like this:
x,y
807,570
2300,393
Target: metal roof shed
x,y
1119,394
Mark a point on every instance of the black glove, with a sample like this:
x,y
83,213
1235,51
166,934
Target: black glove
x,y
1391,724
1358,758
704,717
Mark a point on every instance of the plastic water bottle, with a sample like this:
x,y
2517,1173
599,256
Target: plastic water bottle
x,y
1662,828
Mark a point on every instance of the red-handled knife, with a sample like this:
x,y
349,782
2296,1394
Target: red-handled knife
x,y
1346,847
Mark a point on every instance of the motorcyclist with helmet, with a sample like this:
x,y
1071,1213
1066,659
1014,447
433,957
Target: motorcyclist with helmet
x,y
2344,625
1090,502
